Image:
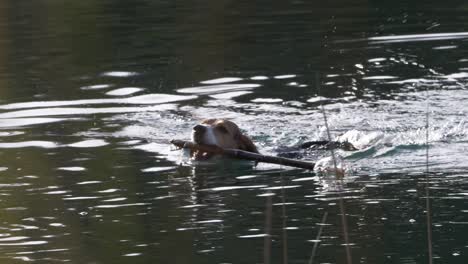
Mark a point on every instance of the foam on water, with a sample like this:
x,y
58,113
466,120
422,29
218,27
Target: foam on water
x,y
326,166
389,135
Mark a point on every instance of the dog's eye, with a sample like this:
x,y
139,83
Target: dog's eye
x,y
222,129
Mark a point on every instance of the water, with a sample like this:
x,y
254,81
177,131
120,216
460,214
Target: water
x,y
92,91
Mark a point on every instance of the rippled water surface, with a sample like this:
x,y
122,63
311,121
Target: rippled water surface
x,y
91,92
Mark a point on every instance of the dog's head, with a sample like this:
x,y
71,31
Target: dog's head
x,y
222,133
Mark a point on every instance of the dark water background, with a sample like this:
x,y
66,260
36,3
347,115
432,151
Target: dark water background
x,y
87,175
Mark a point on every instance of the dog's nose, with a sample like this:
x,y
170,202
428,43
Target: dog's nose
x,y
199,128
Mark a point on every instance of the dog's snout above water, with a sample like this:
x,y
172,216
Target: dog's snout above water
x,y
201,134
199,129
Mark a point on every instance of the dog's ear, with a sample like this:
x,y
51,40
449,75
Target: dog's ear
x,y
247,144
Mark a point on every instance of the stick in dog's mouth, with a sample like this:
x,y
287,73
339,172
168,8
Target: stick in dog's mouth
x,y
200,149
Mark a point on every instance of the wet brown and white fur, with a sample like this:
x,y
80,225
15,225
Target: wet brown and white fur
x,y
222,133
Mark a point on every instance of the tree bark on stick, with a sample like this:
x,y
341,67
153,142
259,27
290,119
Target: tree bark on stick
x,y
245,155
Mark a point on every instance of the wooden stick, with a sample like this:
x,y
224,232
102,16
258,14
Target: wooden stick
x,y
245,155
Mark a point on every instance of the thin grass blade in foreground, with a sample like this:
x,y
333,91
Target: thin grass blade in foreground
x,y
267,240
428,201
344,222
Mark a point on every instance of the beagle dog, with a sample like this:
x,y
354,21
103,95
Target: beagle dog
x,y
222,133
226,134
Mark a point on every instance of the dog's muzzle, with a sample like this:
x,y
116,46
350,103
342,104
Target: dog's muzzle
x,y
198,132
199,129
204,135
